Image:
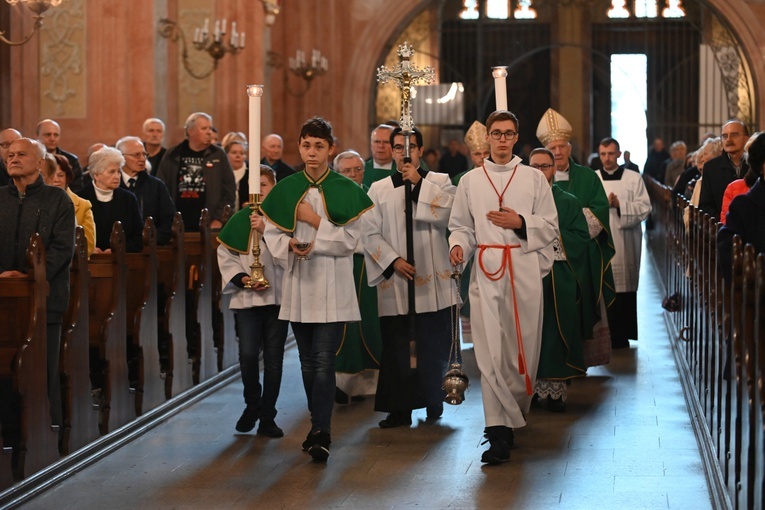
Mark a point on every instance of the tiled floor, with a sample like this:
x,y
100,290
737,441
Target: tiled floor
x,y
626,442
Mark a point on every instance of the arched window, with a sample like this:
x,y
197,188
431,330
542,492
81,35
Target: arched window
x,y
646,9
524,10
469,9
674,9
618,9
498,9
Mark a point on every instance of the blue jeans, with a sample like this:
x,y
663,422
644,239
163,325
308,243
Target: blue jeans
x,y
259,327
317,346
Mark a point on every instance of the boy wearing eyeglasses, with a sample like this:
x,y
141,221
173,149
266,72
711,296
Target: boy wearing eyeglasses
x,y
505,216
402,388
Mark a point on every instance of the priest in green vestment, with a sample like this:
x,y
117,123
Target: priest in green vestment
x,y
598,289
358,359
381,164
562,356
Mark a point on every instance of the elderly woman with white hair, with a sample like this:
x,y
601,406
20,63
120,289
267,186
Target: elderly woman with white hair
x,y
112,203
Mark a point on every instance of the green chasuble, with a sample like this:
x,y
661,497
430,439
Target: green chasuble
x,y
361,346
561,356
596,278
372,174
344,200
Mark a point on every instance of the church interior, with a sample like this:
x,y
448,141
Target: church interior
x,y
671,422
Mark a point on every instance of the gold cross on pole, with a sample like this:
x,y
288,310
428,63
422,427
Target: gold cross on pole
x,y
406,75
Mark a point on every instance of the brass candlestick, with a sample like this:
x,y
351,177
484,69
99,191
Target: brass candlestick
x,y
257,278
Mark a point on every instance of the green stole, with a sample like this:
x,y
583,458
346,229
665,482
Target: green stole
x,y
344,200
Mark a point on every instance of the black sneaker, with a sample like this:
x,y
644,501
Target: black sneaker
x,y
319,450
499,439
247,421
269,428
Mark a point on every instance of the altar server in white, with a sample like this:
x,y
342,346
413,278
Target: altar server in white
x,y
629,205
505,215
400,388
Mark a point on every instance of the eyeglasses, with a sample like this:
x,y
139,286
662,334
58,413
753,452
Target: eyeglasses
x,y
497,135
138,155
546,166
398,149
352,170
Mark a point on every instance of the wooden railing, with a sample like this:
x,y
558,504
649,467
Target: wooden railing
x,y
718,335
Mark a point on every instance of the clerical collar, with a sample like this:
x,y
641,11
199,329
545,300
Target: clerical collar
x,y
613,175
103,195
383,166
562,175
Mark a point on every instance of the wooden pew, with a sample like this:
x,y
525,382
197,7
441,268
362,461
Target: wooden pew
x,y
23,348
80,419
759,396
144,370
108,273
171,282
199,300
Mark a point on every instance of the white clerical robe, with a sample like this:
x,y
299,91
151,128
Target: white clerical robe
x,y
626,226
320,289
384,240
233,263
495,301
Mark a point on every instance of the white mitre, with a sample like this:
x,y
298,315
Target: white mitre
x,y
553,126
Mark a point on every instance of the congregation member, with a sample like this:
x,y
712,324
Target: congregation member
x,y
453,162
401,387
256,314
628,163
152,195
57,172
112,203
724,168
504,216
153,136
312,232
656,162
273,149
7,136
740,186
562,356
358,359
676,166
746,216
628,205
28,206
48,133
198,175
381,164
236,150
555,132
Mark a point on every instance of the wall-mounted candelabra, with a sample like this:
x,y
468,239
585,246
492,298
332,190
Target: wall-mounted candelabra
x,y
212,43
319,65
36,6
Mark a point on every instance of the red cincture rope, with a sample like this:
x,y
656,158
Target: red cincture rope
x,y
507,267
500,196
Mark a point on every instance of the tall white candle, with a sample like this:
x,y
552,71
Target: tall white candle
x,y
255,92
500,86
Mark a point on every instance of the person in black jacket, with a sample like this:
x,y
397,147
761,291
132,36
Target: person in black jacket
x,y
28,206
725,168
153,198
112,203
49,134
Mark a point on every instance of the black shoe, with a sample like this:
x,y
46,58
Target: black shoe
x,y
396,419
341,397
308,443
435,412
556,405
247,422
319,450
500,439
269,428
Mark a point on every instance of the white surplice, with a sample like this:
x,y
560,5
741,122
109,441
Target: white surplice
x,y
384,240
233,263
492,311
627,227
321,289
